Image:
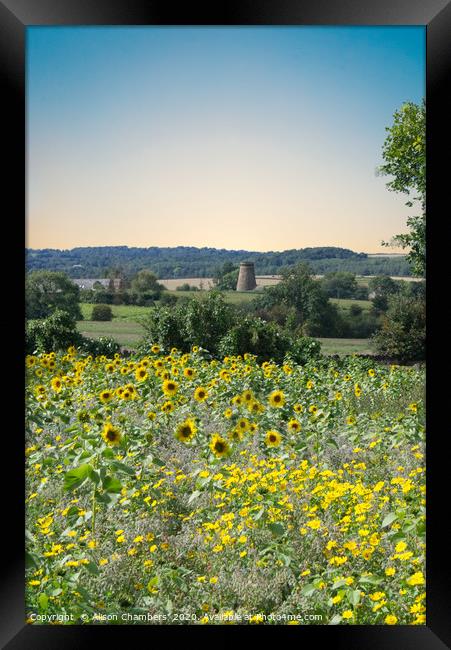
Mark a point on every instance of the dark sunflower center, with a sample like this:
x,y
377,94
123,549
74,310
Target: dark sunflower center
x,y
219,447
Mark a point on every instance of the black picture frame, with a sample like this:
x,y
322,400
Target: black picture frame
x,y
15,17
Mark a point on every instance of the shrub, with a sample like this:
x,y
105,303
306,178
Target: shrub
x,y
168,299
101,313
304,349
403,331
57,332
47,291
200,322
256,336
104,345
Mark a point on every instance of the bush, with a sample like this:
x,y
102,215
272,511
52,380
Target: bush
x,y
187,287
57,332
403,332
104,345
101,313
168,299
200,322
47,291
256,336
304,349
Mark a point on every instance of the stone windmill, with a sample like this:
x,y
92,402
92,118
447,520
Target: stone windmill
x,y
246,277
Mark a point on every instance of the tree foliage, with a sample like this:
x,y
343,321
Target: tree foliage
x,y
46,291
403,331
404,154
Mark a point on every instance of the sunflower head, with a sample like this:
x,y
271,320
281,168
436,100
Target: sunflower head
x,y
186,431
111,434
219,446
273,438
200,394
277,399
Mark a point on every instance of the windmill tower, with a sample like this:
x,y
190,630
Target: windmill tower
x,y
246,277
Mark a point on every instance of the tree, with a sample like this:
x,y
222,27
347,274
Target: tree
x,y
46,291
315,315
145,287
404,154
403,331
340,284
382,286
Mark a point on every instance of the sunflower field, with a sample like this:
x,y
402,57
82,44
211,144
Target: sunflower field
x,y
174,488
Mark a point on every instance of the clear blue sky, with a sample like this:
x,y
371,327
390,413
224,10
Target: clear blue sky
x,y
257,138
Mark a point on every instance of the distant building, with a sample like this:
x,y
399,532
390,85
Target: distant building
x,y
246,277
88,283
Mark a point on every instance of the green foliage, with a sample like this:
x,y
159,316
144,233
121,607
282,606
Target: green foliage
x,y
187,287
313,313
202,322
382,287
404,154
46,291
57,332
168,299
340,284
104,345
145,288
256,336
101,313
403,331
190,262
304,349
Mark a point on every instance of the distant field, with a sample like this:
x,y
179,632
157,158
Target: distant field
x,y
232,297
124,332
345,303
346,346
124,312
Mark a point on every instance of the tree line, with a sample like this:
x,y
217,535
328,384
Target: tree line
x,y
190,262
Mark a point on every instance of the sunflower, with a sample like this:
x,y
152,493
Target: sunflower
x,y
110,367
200,394
224,375
111,434
243,424
106,395
247,396
294,425
235,435
219,446
277,399
57,384
170,387
190,373
167,407
273,438
298,408
141,374
186,430
155,349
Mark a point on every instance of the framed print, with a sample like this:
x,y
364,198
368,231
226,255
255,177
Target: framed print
x,y
230,385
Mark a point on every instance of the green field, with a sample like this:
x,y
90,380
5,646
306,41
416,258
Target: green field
x,y
346,303
127,332
346,346
232,297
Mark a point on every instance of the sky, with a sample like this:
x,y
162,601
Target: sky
x,y
255,138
